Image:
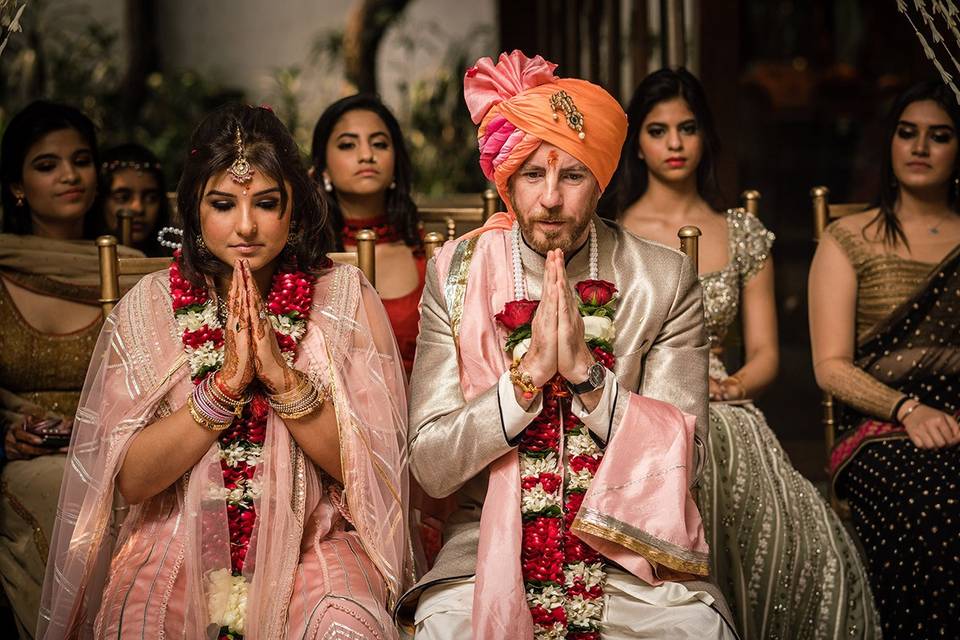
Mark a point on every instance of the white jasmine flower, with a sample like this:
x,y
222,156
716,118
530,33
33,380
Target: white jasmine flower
x,y
584,612
227,600
582,444
598,327
555,632
550,597
531,466
193,320
536,500
579,479
254,489
590,574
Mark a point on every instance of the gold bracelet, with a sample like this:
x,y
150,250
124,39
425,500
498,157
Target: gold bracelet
x,y
913,407
523,380
209,425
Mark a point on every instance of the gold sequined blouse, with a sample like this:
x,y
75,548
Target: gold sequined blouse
x,y
46,369
884,281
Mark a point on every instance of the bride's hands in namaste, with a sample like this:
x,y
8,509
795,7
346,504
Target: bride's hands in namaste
x,y
540,361
271,368
238,367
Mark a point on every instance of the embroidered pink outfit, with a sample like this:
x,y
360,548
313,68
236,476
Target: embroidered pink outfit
x,y
323,556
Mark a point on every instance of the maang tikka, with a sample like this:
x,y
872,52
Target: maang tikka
x,y
240,170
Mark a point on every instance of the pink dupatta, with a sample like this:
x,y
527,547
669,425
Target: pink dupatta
x,y
638,511
138,373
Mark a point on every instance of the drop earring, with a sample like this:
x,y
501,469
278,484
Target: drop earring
x,y
202,247
327,185
393,184
19,200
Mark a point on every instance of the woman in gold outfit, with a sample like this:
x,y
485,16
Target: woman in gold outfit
x,y
884,311
49,322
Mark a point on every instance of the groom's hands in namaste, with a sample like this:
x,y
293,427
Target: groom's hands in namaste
x,y
540,361
556,343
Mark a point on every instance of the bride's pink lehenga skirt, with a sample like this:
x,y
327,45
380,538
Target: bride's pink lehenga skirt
x,y
336,588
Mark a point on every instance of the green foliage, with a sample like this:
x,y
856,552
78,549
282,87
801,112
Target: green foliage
x,y
66,56
517,336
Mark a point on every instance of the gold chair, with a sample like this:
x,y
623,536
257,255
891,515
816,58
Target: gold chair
x,y
464,211
433,241
751,201
690,243
823,214
364,258
125,226
113,268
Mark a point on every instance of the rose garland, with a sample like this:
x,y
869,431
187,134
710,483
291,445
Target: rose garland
x,y
241,444
563,576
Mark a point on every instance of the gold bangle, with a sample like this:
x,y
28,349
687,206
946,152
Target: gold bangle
x,y
523,380
913,407
209,425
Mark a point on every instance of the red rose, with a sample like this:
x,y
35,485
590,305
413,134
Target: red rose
x,y
596,292
517,313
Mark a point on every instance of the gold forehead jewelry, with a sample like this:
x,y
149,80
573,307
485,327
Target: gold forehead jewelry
x,y
240,170
561,101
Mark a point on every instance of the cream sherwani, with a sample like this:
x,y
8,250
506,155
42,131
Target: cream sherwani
x,y
661,352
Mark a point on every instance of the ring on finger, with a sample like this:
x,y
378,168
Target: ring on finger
x,y
262,314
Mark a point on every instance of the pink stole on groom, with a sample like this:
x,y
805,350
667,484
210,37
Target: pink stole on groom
x,y
638,512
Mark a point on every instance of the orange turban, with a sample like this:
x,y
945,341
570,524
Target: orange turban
x,y
519,103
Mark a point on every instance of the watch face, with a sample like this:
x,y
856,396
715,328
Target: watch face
x,y
595,375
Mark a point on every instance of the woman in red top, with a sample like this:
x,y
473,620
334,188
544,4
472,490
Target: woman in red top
x,y
361,161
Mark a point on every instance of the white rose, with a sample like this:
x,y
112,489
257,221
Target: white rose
x,y
522,347
598,327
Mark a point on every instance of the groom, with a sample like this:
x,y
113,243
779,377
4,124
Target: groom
x,y
559,392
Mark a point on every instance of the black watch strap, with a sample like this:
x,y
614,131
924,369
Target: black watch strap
x,y
595,377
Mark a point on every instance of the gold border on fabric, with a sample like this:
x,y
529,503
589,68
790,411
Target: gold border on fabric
x,y
40,540
456,286
653,549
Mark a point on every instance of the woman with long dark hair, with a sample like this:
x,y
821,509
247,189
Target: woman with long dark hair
x,y
248,405
884,291
361,163
50,317
132,180
779,553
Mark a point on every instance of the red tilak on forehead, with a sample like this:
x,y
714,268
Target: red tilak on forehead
x,y
553,158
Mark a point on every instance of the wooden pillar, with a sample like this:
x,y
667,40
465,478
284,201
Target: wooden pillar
x,y
720,74
673,43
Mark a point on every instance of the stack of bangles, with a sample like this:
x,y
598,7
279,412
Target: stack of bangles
x,y
300,401
212,406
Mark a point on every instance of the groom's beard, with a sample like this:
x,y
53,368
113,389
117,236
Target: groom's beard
x,y
546,230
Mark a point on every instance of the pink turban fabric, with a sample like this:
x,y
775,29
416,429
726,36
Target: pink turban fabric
x,y
511,103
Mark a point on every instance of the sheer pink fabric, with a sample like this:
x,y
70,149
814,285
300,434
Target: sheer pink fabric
x,y
638,510
155,584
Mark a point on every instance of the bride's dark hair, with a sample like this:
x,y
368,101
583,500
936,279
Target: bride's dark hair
x,y
269,148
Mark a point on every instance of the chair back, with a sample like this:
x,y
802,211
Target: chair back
x,y
364,258
690,243
432,242
113,268
125,226
458,212
823,214
751,201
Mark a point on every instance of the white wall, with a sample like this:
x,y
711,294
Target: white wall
x,y
242,43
